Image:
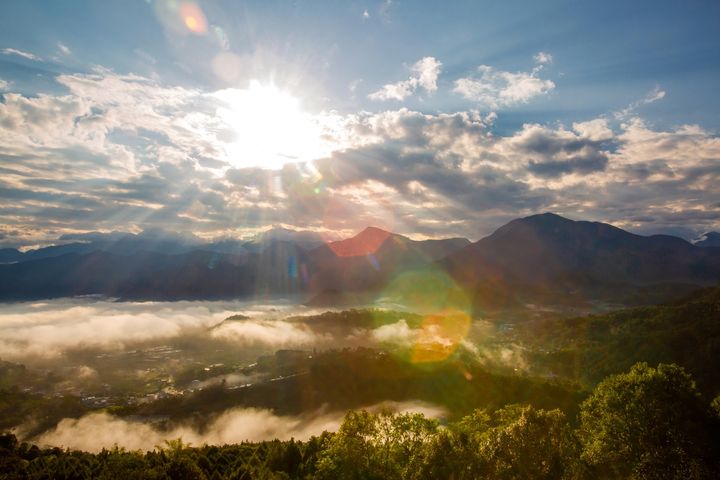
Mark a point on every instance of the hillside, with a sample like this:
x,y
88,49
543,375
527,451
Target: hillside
x,y
586,349
548,258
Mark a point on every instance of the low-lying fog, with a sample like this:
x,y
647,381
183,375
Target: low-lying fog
x,y
32,330
101,430
129,353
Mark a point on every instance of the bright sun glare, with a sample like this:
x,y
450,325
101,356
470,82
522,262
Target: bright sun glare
x,y
269,127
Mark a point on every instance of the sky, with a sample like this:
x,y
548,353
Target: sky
x,y
224,118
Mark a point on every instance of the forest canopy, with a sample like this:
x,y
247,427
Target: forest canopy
x,y
647,423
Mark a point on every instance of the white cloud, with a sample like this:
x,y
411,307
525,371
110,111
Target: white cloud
x,y
424,75
271,333
101,430
21,53
96,431
4,85
595,130
652,96
64,49
543,58
124,145
427,70
50,328
396,333
498,89
119,152
395,91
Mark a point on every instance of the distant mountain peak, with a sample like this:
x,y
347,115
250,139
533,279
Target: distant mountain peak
x,y
364,243
546,217
374,231
305,238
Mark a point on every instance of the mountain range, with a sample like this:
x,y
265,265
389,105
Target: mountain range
x,y
543,258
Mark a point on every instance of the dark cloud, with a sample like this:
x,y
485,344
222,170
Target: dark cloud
x,y
593,161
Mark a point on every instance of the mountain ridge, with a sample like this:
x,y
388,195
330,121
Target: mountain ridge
x,y
541,258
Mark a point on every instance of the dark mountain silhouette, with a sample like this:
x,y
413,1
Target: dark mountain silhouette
x,y
159,241
371,258
142,276
10,255
275,263
545,256
306,240
118,243
539,259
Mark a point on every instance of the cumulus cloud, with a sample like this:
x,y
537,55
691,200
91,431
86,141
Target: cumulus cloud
x,y
424,170
594,130
123,152
424,75
21,53
122,149
4,84
558,152
496,89
100,430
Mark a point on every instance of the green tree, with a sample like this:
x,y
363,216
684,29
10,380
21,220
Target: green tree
x,y
375,446
530,443
649,423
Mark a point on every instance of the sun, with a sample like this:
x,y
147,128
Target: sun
x,y
269,128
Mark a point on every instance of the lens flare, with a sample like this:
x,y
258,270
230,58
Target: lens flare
x,y
439,336
193,18
181,18
445,307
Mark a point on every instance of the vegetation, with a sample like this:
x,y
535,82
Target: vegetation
x,y
588,349
648,423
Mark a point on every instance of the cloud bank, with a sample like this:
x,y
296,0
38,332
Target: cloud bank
x,y
100,430
49,329
125,153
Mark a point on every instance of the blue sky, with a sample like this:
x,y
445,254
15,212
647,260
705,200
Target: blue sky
x,y
590,109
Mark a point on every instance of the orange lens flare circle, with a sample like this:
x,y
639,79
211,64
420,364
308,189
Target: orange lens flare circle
x,y
193,18
439,336
445,309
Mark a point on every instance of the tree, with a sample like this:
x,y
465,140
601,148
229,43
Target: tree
x,y
375,446
453,453
530,443
649,423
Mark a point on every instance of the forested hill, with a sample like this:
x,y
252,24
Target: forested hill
x,y
648,423
686,332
